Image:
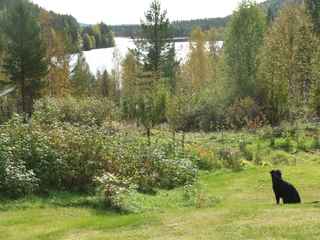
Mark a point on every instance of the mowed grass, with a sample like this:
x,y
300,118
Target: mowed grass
x,y
245,209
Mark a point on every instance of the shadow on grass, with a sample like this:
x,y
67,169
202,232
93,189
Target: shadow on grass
x,y
58,200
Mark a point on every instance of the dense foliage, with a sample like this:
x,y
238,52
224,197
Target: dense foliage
x,y
97,36
74,36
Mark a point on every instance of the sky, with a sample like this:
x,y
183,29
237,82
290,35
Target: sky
x,y
131,11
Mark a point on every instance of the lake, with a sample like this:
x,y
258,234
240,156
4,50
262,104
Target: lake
x,y
107,58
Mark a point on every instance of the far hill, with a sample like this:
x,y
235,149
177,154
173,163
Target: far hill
x,y
180,29
183,28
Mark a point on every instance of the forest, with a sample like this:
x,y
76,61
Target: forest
x,y
159,148
66,28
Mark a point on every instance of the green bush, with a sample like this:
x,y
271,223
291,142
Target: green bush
x,y
230,158
150,166
245,113
206,158
281,158
196,195
63,156
85,111
246,151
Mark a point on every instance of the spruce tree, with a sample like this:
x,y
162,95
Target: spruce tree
x,y
25,60
81,78
154,41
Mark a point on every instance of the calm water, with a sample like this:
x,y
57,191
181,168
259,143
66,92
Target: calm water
x,y
107,58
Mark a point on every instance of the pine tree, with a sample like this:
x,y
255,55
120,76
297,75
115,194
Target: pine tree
x,y
154,41
103,84
25,62
171,69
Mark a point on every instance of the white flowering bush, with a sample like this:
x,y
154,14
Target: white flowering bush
x,y
15,179
117,192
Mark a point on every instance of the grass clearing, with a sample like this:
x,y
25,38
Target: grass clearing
x,y
246,210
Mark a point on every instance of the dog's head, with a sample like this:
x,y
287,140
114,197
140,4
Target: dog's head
x,y
276,174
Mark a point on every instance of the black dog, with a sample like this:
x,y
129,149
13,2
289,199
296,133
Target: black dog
x,y
283,189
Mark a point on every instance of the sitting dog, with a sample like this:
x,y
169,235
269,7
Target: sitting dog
x,y
283,189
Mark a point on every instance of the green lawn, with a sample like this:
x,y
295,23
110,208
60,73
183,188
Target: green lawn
x,y
243,207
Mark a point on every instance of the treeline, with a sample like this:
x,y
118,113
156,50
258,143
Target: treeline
x,y
184,28
97,36
178,29
74,36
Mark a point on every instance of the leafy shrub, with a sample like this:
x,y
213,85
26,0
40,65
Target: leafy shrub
x,y
117,192
246,151
315,142
230,158
196,196
150,166
281,158
65,157
69,157
206,159
286,144
245,113
85,111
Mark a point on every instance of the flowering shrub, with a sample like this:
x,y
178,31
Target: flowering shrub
x,y
116,191
15,178
63,156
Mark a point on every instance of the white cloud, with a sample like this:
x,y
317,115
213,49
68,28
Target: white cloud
x,y
131,11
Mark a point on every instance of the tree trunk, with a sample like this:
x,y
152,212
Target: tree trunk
x,y
24,100
149,136
174,141
183,141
